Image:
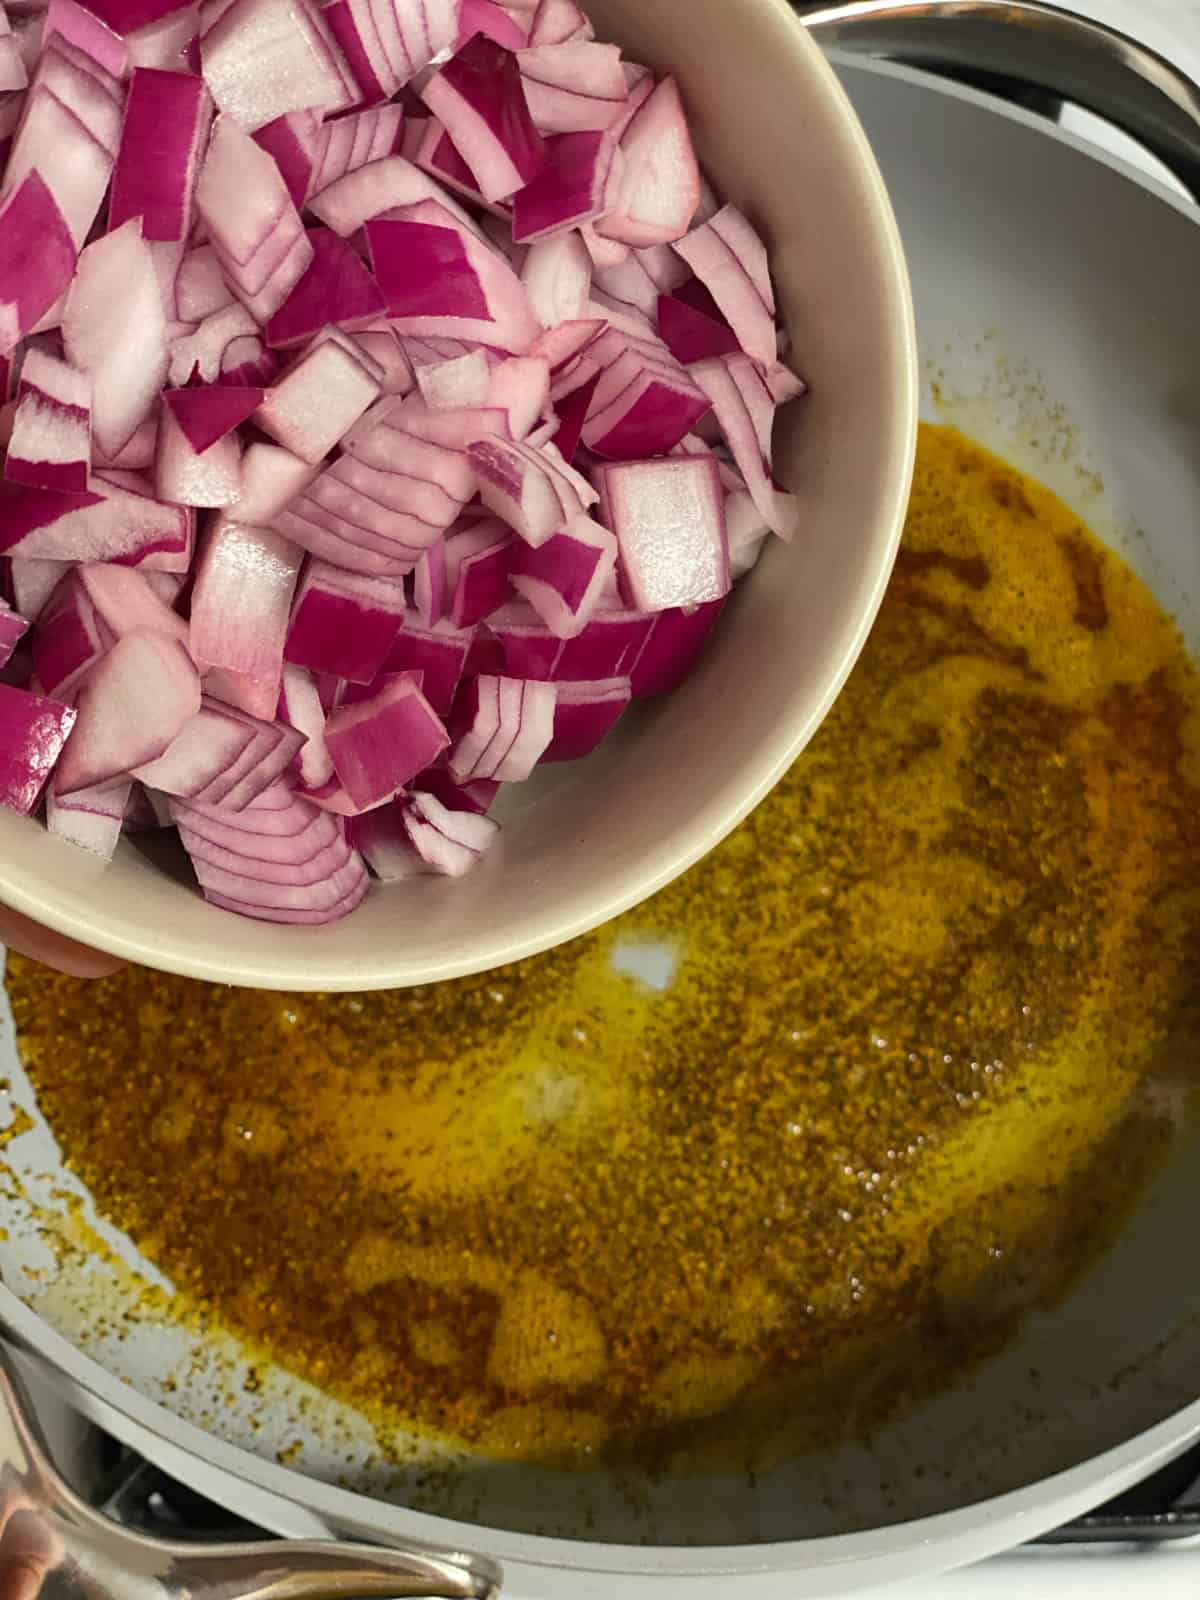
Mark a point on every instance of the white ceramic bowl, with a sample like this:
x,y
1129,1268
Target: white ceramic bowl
x,y
778,136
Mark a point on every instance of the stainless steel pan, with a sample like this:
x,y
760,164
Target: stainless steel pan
x,y
1084,275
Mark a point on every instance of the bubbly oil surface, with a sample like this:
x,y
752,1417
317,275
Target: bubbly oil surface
x,y
805,1137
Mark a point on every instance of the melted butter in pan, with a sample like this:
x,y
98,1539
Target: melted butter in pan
x,y
807,1135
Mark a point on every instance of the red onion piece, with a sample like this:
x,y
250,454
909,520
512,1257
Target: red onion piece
x,y
114,329
691,335
585,714
669,519
254,227
564,578
33,582
127,16
507,722
572,413
33,731
575,186
123,599
382,187
382,344
13,75
167,117
186,476
672,649
746,531
343,623
558,22
562,345
475,797
200,287
168,43
575,87
87,34
13,629
292,142
439,653
434,152
336,290
486,17
745,412
241,601
351,24
265,58
644,402
106,523
317,400
132,704
69,639
445,840
271,477
479,97
206,415
521,387
660,186
37,257
300,706
378,745
90,819
608,647
534,491
289,860
50,443
730,260
449,385
478,562
441,281
202,751
348,143
557,274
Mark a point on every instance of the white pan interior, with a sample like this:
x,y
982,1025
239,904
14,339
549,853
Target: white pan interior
x,y
1056,302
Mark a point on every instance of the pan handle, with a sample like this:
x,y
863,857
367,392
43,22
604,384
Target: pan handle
x,y
53,1545
1132,86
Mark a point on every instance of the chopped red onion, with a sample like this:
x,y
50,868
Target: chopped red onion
x,y
381,187
746,531
131,705
566,343
190,477
497,22
265,58
644,402
672,648
692,335
439,653
300,706
37,258
445,840
584,714
439,280
169,43
50,444
478,561
558,22
200,287
507,722
108,522
114,330
557,274
92,818
660,186
574,87
13,75
608,647
291,141
241,602
575,186
351,142
572,414
207,415
378,745
475,797
479,98
450,385
521,387
253,225
68,134
534,491
271,478
336,290
13,629
69,638
317,400
564,578
33,582
745,411
343,623
167,118
730,260
669,519
33,731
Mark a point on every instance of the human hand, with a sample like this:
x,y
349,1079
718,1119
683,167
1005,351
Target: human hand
x,y
21,933
29,1548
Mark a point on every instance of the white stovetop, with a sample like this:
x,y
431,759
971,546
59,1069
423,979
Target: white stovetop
x,y
1170,1572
